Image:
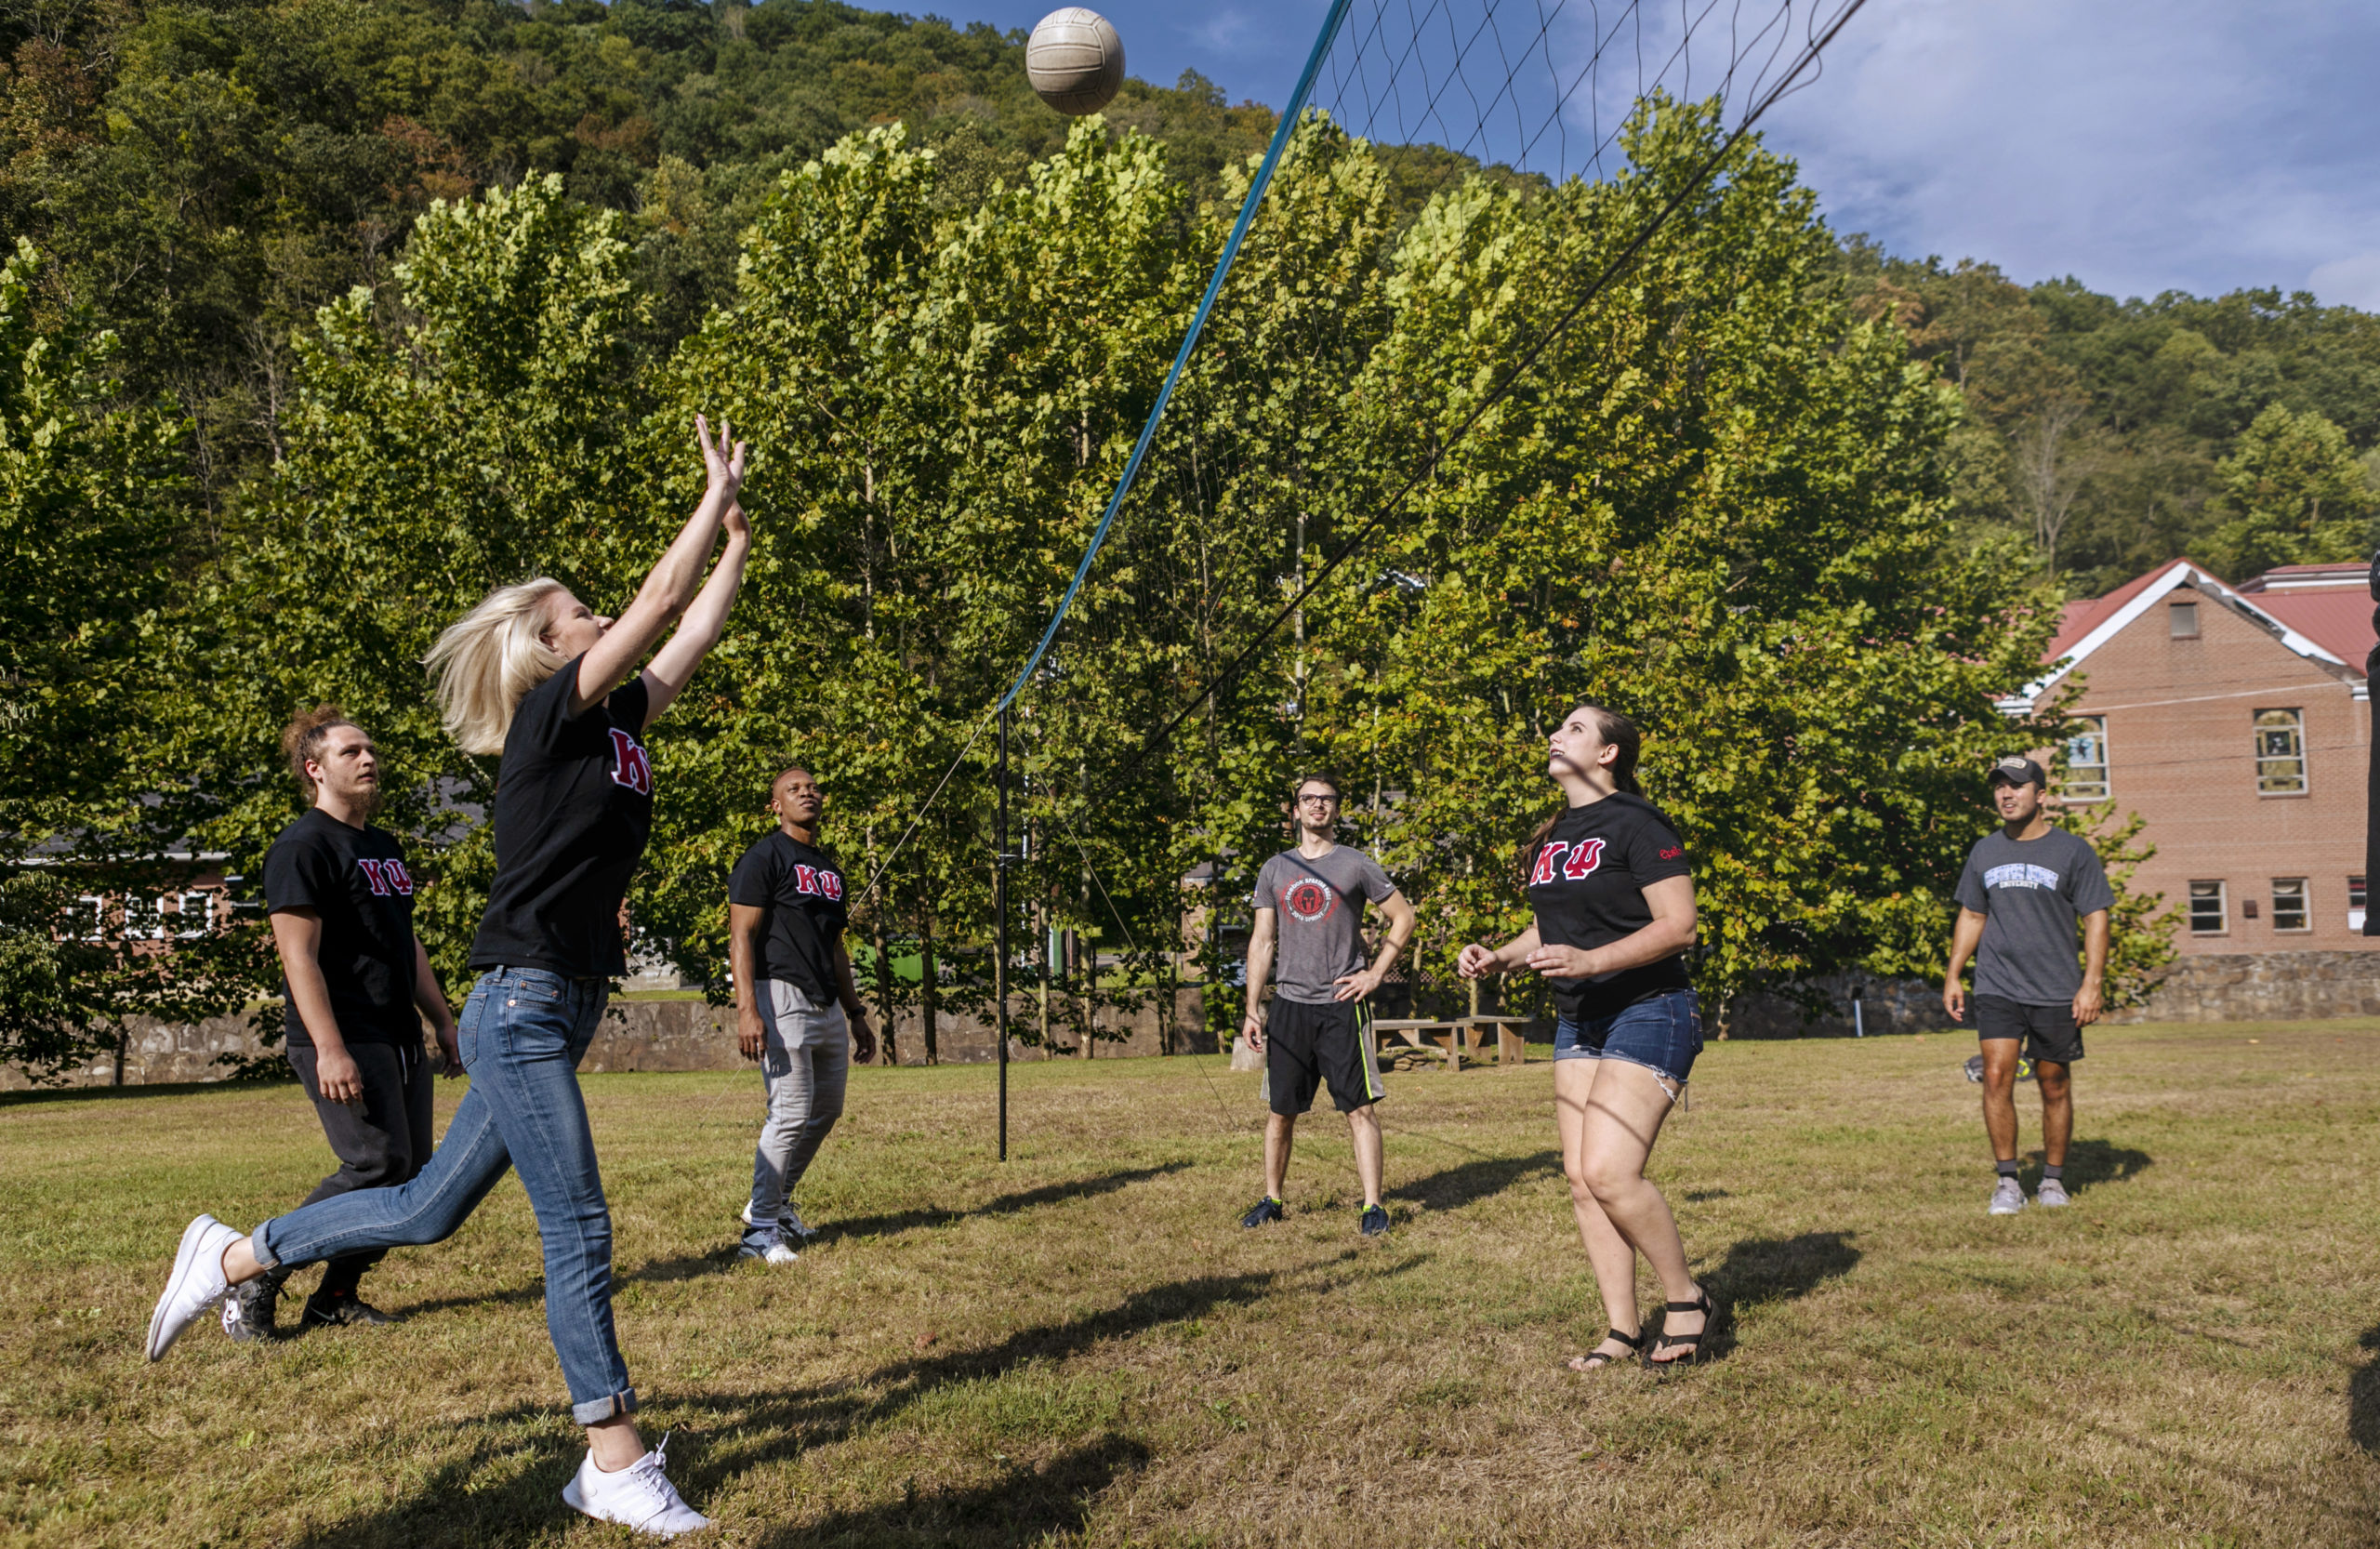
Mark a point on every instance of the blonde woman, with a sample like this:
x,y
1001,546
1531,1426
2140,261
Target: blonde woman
x,y
533,673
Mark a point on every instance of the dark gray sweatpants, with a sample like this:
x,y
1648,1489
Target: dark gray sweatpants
x,y
380,1141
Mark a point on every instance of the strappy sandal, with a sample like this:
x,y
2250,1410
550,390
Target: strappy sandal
x,y
1596,1360
1691,1343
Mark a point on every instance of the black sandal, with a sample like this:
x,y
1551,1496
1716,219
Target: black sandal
x,y
1692,1342
1596,1360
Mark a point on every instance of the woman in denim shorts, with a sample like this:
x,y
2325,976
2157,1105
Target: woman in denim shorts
x,y
535,675
1608,879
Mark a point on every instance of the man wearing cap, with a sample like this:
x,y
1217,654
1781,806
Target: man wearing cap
x,y
2024,890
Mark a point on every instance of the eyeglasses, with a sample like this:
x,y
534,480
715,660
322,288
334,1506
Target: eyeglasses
x,y
1317,800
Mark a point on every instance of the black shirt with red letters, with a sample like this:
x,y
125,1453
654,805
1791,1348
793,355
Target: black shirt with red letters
x,y
801,888
573,808
355,881
1587,884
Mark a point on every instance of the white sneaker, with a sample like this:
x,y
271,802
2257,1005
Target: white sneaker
x,y
788,1219
639,1496
2008,1197
196,1285
2051,1194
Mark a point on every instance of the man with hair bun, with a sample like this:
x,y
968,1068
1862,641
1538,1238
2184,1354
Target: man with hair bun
x,y
797,1009
1310,901
356,983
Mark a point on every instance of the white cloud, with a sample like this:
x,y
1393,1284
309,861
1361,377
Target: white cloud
x,y
2193,144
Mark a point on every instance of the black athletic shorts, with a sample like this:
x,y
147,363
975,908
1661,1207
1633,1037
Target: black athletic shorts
x,y
2049,1031
1307,1045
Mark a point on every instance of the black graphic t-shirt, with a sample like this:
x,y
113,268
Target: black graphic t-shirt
x,y
356,881
801,888
1587,884
573,808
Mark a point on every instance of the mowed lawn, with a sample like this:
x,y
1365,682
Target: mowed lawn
x,y
1082,1346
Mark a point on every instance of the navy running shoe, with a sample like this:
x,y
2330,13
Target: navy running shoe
x,y
1267,1209
1374,1221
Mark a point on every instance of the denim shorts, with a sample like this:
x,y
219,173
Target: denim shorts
x,y
1661,1032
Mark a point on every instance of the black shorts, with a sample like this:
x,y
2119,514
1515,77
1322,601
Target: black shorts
x,y
2049,1031
1307,1045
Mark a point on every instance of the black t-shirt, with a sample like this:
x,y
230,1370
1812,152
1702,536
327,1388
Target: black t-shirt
x,y
1587,884
573,808
355,880
801,888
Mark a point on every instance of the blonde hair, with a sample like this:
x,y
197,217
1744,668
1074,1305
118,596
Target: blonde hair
x,y
489,659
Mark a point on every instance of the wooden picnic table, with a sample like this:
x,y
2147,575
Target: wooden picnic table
x,y
1451,1037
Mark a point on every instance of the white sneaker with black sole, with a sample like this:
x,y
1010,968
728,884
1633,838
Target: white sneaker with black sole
x,y
639,1496
2008,1197
195,1288
788,1219
2050,1195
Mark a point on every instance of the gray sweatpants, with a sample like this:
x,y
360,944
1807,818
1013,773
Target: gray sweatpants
x,y
805,1064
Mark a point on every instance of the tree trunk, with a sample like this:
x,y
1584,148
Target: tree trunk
x,y
929,989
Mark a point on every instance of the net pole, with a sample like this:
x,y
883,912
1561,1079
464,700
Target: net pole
x,y
999,920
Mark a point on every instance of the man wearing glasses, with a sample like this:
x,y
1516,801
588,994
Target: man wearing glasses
x,y
1310,903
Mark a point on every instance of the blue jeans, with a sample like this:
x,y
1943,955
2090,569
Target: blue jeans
x,y
1661,1032
523,1031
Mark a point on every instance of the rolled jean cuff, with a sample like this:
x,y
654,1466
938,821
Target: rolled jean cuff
x,y
262,1247
616,1406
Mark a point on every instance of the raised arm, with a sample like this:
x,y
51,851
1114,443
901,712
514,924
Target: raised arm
x,y
673,667
1669,901
673,582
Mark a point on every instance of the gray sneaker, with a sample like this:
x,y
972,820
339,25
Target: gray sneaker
x,y
2008,1197
2051,1194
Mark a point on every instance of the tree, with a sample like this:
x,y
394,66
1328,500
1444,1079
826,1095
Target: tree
x,y
2293,493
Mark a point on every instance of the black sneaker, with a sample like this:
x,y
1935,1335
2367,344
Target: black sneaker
x,y
1267,1209
1374,1221
248,1311
343,1308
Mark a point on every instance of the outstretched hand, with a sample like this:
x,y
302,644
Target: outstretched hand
x,y
723,458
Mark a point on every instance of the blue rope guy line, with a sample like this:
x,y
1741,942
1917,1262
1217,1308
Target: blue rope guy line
x,y
1281,133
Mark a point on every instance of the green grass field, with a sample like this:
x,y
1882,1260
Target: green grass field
x,y
1081,1346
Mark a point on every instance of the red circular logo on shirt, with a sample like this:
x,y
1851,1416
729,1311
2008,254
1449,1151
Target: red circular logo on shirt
x,y
1308,899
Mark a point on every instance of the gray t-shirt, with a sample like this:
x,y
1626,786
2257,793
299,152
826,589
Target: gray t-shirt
x,y
2032,893
1319,917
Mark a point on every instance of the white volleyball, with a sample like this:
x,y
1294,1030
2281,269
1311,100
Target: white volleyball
x,y
1074,60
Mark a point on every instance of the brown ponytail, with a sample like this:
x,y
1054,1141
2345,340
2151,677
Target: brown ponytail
x,y
302,739
1619,732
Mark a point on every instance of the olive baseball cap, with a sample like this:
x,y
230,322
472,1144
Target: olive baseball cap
x,y
2013,771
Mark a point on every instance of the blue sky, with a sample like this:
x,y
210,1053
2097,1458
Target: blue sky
x,y
2140,145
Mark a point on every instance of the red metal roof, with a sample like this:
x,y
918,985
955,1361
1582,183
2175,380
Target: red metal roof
x,y
2340,622
2085,614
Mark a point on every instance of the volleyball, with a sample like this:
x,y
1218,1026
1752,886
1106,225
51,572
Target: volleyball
x,y
1074,60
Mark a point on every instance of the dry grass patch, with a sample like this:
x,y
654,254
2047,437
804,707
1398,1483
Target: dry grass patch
x,y
1081,1346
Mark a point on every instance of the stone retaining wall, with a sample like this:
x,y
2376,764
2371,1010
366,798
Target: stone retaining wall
x,y
688,1035
637,1035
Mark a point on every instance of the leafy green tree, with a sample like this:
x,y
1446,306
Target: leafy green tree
x,y
2293,493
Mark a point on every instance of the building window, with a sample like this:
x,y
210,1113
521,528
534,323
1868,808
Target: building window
x,y
92,915
2086,760
2207,917
189,913
2280,753
2354,896
2182,619
2289,904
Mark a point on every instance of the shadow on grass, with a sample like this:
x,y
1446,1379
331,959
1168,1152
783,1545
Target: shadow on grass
x,y
724,1257
2091,1162
160,1089
505,1484
1781,1269
1458,1186
2363,1397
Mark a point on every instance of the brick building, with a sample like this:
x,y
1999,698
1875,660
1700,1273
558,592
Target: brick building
x,y
2238,721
